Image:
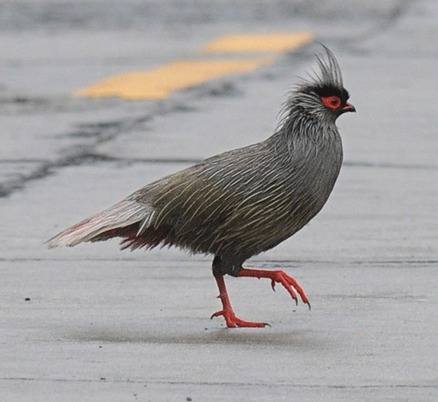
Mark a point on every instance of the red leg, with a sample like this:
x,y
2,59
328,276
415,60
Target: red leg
x,y
289,283
227,311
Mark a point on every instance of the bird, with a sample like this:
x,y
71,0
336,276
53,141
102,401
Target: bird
x,y
242,202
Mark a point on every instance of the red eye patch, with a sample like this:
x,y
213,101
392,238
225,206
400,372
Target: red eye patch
x,y
331,102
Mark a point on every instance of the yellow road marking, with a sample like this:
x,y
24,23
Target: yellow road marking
x,y
274,42
159,82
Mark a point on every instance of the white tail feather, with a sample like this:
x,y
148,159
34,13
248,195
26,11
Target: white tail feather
x,y
122,214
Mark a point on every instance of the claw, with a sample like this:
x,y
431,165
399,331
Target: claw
x,y
272,285
217,314
292,293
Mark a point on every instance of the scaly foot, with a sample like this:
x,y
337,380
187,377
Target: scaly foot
x,y
232,321
227,311
289,283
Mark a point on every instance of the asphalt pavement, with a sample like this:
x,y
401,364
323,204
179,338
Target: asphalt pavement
x,y
92,323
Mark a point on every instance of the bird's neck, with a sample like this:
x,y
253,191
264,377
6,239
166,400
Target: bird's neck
x,y
308,126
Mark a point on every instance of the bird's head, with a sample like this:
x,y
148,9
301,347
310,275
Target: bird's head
x,y
323,93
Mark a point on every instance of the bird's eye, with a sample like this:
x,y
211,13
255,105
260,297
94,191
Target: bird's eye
x,y
331,102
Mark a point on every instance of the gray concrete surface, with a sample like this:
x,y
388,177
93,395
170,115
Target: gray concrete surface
x,y
105,325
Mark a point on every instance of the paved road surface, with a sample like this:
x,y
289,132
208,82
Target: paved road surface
x,y
102,325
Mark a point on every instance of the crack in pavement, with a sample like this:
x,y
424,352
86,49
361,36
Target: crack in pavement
x,y
101,132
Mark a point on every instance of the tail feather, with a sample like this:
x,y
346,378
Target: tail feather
x,y
122,214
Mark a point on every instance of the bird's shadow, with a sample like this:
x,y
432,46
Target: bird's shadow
x,y
197,335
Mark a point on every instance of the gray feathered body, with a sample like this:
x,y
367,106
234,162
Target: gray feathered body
x,y
246,201
239,203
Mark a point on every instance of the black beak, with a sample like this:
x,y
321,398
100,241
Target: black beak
x,y
348,108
